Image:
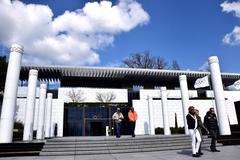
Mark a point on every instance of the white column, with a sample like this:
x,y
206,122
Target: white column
x,y
185,99
30,106
41,111
48,112
10,94
166,125
150,117
217,86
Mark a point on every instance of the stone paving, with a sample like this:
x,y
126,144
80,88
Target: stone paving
x,y
227,153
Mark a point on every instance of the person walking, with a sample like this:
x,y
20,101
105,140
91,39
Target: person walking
x,y
210,121
200,127
132,116
193,131
118,117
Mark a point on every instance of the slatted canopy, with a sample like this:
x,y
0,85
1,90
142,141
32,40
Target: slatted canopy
x,y
75,76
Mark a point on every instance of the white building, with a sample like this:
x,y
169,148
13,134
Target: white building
x,y
86,97
83,99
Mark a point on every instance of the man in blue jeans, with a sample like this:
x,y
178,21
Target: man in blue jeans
x,y
118,117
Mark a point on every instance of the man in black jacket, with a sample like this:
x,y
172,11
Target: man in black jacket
x,y
210,121
193,131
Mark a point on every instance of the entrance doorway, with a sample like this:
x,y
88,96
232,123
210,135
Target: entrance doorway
x,y
97,129
237,108
92,119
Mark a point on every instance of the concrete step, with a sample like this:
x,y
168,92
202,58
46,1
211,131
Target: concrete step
x,y
112,138
106,145
109,144
107,151
20,149
114,141
115,147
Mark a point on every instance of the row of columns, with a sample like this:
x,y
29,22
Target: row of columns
x,y
217,86
10,94
166,125
44,110
10,97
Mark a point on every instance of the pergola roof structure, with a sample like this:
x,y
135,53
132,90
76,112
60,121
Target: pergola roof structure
x,y
102,76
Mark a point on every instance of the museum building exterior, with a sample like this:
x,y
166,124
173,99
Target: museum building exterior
x,y
80,101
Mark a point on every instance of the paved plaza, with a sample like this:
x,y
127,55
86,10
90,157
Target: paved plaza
x,y
227,153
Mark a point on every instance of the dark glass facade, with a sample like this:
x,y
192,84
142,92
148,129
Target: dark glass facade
x,y
92,119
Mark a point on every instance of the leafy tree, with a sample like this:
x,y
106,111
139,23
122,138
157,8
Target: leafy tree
x,y
3,72
145,60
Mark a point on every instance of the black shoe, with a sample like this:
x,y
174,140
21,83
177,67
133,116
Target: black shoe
x,y
196,155
200,153
215,150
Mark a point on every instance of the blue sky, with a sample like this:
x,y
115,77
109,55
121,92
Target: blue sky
x,y
188,31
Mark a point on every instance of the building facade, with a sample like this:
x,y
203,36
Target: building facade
x,y
85,98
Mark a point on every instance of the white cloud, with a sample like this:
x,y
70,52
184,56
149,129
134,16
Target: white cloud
x,y
204,67
232,38
71,38
231,7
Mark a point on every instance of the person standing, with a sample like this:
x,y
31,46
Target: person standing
x,y
210,121
193,131
132,116
200,127
118,117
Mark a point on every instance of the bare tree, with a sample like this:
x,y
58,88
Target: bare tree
x,y
139,61
175,65
105,97
160,63
145,60
76,96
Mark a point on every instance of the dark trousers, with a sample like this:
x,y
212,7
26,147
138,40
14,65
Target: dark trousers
x,y
118,129
132,128
200,149
213,134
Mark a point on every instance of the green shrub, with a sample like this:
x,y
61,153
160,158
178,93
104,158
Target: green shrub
x,y
179,130
159,130
18,131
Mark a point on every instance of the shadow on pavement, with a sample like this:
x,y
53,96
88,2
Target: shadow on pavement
x,y
186,152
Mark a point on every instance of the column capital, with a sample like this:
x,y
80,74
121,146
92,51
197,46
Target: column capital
x,y
43,86
182,77
213,59
33,72
49,95
16,48
163,88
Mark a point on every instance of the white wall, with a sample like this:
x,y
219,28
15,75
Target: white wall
x,y
22,92
175,106
57,113
142,124
141,106
156,93
57,116
90,94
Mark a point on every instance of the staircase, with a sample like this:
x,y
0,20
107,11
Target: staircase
x,y
111,145
20,149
